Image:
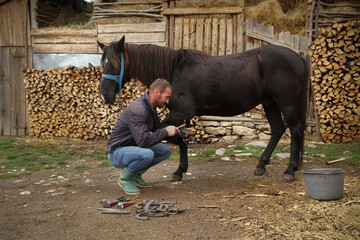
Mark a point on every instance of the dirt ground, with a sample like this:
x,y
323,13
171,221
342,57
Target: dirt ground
x,y
224,200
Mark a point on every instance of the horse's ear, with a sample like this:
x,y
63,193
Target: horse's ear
x,y
101,45
119,46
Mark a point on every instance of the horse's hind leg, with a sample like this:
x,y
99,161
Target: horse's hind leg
x,y
297,138
273,114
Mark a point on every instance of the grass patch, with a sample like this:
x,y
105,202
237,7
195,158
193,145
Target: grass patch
x,y
59,155
100,157
105,163
81,168
329,152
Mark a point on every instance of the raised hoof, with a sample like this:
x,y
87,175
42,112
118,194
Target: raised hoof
x,y
259,171
175,178
288,177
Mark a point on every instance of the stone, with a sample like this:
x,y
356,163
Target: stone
x,y
210,123
226,124
229,139
263,136
283,155
216,130
220,151
243,131
259,143
249,124
249,137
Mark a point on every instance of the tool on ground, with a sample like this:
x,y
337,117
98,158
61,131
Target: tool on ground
x,y
112,211
109,203
150,208
124,204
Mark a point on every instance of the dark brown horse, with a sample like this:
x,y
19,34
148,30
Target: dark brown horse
x,y
227,85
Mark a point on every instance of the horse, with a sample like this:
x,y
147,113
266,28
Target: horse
x,y
228,85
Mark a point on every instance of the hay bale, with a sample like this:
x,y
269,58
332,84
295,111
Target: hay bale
x,y
270,13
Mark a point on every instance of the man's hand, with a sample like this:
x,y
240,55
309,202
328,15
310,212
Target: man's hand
x,y
172,130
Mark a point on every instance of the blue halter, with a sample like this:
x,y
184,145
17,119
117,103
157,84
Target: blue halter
x,y
117,78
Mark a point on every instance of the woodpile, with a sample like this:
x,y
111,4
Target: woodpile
x,y
335,64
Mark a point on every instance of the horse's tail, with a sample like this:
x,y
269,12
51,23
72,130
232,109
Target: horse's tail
x,y
303,105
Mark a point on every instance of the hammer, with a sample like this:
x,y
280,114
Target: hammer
x,y
182,125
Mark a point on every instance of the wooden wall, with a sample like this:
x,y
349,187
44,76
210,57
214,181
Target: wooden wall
x,y
15,55
216,36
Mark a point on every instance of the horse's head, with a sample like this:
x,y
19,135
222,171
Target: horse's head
x,y
113,65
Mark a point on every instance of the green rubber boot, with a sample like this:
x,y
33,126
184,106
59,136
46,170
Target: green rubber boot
x,y
125,182
139,181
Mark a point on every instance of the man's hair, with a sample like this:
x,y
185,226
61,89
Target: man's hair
x,y
160,84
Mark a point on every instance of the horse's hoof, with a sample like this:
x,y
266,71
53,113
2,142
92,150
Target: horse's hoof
x,y
259,171
288,177
175,178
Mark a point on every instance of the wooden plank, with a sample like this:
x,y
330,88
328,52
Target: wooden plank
x,y
63,40
186,33
171,25
240,33
133,37
192,33
249,30
64,32
178,33
214,37
229,36
65,48
2,91
199,34
207,36
12,23
222,37
234,38
7,97
197,11
21,124
132,28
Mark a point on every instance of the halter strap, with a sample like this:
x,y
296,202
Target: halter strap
x,y
117,78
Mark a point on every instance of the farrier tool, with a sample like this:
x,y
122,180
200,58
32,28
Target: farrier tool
x,y
109,203
112,211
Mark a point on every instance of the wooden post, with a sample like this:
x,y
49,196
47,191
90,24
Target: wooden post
x,y
171,26
214,37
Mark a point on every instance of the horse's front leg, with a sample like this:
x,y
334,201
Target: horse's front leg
x,y
183,166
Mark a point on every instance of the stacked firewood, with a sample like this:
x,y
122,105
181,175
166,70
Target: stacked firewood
x,y
65,102
335,63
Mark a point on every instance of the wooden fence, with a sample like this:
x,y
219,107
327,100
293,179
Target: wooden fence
x,y
258,35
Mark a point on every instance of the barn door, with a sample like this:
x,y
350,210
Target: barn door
x,y
13,119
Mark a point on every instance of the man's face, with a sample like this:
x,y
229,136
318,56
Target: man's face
x,y
163,98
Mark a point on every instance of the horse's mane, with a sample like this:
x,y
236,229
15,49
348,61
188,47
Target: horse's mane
x,y
148,62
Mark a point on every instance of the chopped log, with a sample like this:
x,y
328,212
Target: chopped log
x,y
334,56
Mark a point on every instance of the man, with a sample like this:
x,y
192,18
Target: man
x,y
134,144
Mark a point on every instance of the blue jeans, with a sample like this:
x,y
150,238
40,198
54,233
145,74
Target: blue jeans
x,y
136,158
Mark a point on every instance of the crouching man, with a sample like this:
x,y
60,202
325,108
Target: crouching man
x,y
134,144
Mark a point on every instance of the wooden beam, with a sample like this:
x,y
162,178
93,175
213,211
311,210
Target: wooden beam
x,y
196,11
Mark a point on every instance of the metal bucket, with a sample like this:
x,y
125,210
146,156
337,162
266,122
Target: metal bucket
x,y
324,184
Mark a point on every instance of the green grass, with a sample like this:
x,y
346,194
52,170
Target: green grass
x,y
328,152
20,156
81,169
29,156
